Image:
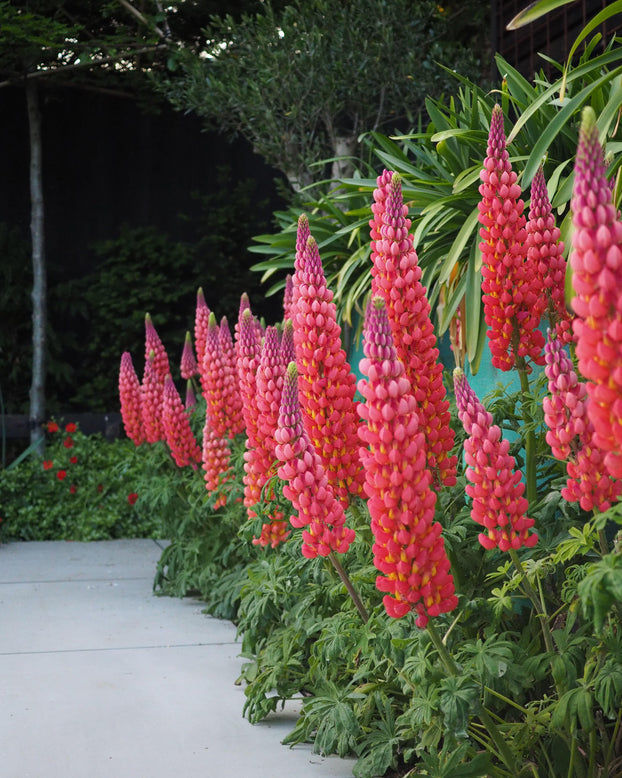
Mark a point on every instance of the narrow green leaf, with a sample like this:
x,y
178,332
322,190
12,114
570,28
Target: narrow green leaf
x,y
561,119
596,21
534,11
457,247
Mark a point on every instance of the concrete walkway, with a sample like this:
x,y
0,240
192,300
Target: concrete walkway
x,y
100,678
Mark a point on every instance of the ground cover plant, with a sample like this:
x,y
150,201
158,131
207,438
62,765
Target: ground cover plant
x,y
436,575
82,488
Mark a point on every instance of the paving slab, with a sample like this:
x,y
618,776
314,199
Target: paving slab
x,y
101,678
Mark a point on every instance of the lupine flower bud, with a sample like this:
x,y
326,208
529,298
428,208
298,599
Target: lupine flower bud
x,y
327,384
188,365
513,300
288,353
176,427
409,549
545,252
570,434
191,399
496,488
129,395
201,321
596,260
396,277
151,402
306,484
154,344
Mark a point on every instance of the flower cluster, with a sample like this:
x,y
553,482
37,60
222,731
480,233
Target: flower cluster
x,y
570,434
269,381
326,382
409,549
545,251
513,304
396,277
188,366
176,427
307,486
129,395
496,488
248,352
596,260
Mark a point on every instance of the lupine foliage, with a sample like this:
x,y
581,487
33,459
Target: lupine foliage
x,y
523,592
473,653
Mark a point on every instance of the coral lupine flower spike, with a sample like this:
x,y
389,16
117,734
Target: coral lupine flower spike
x,y
327,384
177,432
396,277
129,395
570,434
496,487
188,365
155,345
596,260
269,381
201,321
513,300
409,550
546,251
306,484
151,403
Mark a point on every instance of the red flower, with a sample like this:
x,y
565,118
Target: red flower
x,y
71,427
306,483
131,498
496,488
396,277
596,259
100,487
201,320
153,343
73,460
73,488
513,297
48,464
61,475
68,442
327,384
409,549
129,395
177,431
52,426
188,366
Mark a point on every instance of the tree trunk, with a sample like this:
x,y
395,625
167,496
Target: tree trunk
x,y
344,150
39,285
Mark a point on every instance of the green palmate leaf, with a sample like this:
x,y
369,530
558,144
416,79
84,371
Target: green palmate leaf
x,y
534,11
602,588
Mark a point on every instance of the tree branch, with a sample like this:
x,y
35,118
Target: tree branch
x,y
75,66
143,19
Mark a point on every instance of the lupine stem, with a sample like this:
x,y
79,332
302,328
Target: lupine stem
x,y
486,719
350,587
530,435
538,604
